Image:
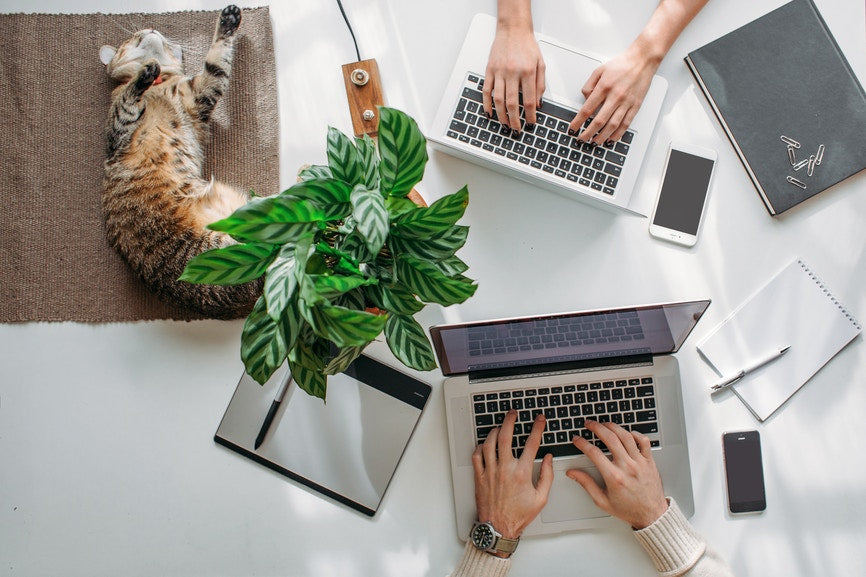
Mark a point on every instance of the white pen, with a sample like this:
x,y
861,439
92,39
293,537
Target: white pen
x,y
728,381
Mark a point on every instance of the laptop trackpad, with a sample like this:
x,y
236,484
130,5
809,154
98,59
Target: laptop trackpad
x,y
568,501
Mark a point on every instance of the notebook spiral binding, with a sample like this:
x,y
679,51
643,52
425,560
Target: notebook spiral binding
x,y
827,292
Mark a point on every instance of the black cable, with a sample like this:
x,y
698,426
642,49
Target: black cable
x,y
352,32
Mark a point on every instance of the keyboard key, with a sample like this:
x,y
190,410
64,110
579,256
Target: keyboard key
x,y
473,95
458,126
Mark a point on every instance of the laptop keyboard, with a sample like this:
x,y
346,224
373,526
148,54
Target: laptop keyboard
x,y
553,333
545,147
630,403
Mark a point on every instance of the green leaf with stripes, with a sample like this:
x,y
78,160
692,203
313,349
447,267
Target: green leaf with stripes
x,y
329,194
407,341
434,219
344,160
369,161
343,359
307,371
315,171
233,264
346,327
398,206
372,216
425,280
332,286
277,219
402,152
281,281
263,344
395,298
435,248
452,266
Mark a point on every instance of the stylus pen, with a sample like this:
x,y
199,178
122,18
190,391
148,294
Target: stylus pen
x,y
275,404
728,381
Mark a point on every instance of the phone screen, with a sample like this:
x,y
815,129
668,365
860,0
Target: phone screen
x,y
684,191
744,471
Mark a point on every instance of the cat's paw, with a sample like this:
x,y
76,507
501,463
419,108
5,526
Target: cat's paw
x,y
147,75
230,19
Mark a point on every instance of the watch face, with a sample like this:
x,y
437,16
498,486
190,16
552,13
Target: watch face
x,y
482,536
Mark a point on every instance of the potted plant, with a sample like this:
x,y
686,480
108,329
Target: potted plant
x,y
345,256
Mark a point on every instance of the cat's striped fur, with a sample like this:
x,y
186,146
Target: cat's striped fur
x,y
156,201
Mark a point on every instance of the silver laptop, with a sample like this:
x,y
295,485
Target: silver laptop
x,y
606,365
544,155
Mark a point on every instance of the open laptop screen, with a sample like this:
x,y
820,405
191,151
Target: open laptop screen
x,y
565,337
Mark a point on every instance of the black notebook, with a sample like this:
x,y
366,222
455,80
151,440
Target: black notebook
x,y
789,102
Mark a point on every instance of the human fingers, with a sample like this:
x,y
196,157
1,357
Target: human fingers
x,y
540,83
478,462
626,122
530,103
589,485
506,433
612,126
498,95
588,108
488,448
487,91
598,458
512,103
610,439
644,444
629,442
530,450
545,477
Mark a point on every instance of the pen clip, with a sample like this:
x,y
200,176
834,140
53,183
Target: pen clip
x,y
729,382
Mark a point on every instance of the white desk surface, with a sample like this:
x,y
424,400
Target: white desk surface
x,y
107,464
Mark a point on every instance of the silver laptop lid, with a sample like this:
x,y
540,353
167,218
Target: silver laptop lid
x,y
605,335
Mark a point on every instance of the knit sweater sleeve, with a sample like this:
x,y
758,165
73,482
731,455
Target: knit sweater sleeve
x,y
676,549
476,563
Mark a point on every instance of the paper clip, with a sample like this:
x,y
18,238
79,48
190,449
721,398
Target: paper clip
x,y
791,156
801,164
795,182
790,141
820,155
811,168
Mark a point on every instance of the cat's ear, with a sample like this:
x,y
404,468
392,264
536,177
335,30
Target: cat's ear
x,y
106,53
178,52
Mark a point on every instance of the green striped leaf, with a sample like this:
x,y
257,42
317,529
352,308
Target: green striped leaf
x,y
291,323
315,171
425,280
434,249
343,158
452,266
233,264
343,359
398,206
434,219
332,286
346,327
369,161
307,371
277,219
409,343
332,196
281,281
395,298
372,216
263,344
402,152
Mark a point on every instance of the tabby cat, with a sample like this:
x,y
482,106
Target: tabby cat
x,y
155,201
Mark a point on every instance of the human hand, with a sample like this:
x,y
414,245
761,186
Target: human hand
x,y
504,492
614,94
515,65
633,489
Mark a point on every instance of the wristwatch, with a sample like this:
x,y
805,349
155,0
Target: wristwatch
x,y
488,539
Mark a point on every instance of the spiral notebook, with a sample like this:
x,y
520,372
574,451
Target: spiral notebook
x,y
795,308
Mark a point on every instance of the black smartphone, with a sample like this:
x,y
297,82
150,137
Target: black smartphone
x,y
744,471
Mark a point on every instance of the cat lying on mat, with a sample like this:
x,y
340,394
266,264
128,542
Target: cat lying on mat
x,y
156,202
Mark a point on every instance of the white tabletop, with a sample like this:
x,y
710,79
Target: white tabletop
x,y
107,463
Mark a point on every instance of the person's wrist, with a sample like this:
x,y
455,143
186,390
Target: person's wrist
x,y
651,515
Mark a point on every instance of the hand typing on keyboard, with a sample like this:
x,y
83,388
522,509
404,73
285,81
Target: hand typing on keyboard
x,y
515,66
633,488
614,92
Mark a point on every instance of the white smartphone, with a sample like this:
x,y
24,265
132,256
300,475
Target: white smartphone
x,y
682,199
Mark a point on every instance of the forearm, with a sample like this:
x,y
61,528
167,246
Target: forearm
x,y
514,14
675,548
664,26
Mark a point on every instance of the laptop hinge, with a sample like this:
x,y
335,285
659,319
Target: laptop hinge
x,y
531,371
